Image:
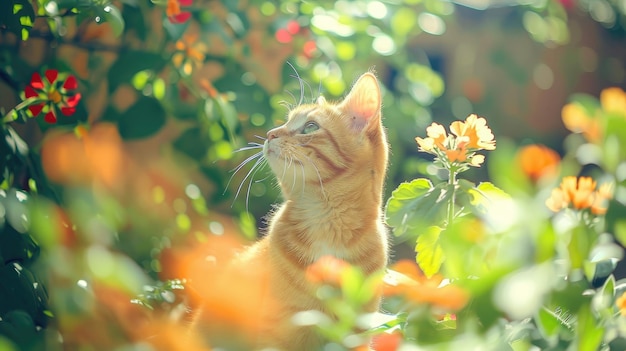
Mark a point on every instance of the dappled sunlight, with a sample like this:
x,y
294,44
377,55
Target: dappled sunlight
x,y
131,197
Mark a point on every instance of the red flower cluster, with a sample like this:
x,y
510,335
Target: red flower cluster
x,y
174,13
288,33
56,91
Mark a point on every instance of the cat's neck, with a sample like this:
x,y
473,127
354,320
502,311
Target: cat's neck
x,y
315,224
342,212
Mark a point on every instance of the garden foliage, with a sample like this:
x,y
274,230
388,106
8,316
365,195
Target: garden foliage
x,y
120,122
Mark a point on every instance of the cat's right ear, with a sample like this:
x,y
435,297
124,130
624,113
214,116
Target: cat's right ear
x,y
363,103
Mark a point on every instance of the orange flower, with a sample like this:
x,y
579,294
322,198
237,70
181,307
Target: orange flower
x,y
620,302
475,129
459,147
207,86
576,120
190,53
436,137
327,270
581,194
613,100
174,13
538,161
604,193
387,341
416,288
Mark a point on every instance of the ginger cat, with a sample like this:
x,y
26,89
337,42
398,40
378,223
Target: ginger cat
x,y
330,161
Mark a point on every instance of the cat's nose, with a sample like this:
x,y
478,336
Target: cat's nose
x,y
272,134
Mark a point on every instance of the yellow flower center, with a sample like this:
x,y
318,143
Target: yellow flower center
x,y
55,96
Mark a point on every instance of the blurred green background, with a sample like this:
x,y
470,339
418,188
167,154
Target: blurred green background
x,y
171,89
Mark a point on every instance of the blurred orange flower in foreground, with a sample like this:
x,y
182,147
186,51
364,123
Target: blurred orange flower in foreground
x,y
620,302
580,193
613,100
84,156
538,161
589,123
576,120
327,270
405,279
387,341
225,298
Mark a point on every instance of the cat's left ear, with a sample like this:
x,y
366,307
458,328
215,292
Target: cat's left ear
x,y
363,103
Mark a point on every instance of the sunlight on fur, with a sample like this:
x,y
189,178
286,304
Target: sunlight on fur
x,y
330,161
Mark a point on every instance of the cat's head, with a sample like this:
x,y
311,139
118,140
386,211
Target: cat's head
x,y
331,145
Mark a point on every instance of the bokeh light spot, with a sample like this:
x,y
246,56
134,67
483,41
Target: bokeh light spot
x,y
283,36
257,119
384,45
248,78
377,9
193,191
431,24
216,228
268,8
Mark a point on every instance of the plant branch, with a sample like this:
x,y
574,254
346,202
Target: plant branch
x,y
452,183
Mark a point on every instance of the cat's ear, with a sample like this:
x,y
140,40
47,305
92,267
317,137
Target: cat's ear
x,y
321,100
363,103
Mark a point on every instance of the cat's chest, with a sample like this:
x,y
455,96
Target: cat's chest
x,y
321,248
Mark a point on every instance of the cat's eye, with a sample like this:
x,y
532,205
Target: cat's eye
x,y
310,127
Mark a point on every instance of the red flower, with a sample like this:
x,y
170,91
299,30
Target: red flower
x,y
54,92
173,12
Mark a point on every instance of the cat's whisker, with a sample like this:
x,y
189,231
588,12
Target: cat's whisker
x,y
287,105
251,171
300,80
319,176
251,147
295,101
313,98
303,177
259,137
282,178
238,168
293,182
319,91
263,163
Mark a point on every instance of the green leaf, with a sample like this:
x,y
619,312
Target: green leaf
x,y
131,62
589,336
21,290
616,221
143,119
429,253
548,322
17,16
113,16
416,204
193,143
484,196
228,114
579,246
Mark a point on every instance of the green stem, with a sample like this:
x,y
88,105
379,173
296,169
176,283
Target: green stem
x,y
12,114
452,184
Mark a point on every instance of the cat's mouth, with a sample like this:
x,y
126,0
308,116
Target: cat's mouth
x,y
269,151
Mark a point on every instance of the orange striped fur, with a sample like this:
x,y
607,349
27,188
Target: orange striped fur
x,y
330,161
